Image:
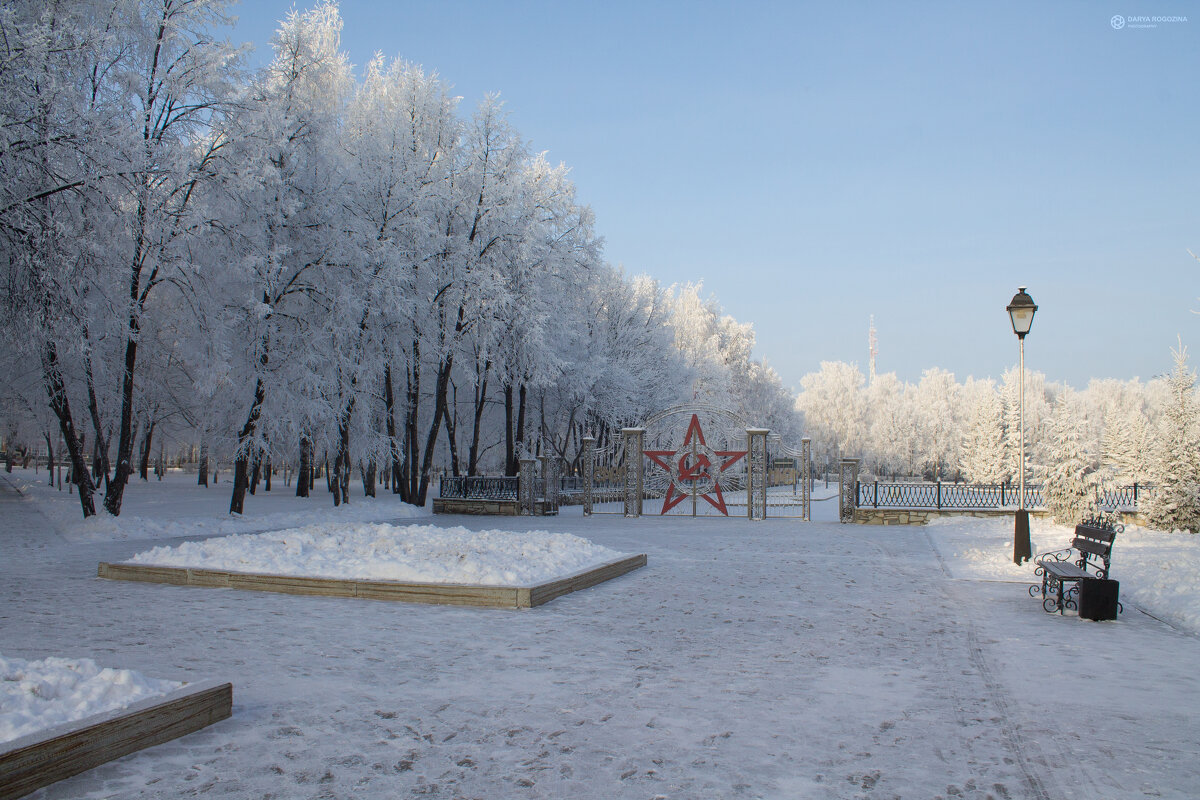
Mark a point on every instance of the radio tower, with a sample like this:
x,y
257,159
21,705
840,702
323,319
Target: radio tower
x,y
873,349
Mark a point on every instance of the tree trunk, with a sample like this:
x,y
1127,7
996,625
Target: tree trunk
x,y
410,477
98,458
61,407
341,466
520,431
100,463
368,478
440,390
202,471
451,417
49,456
477,422
267,482
241,460
304,476
342,463
144,466
115,490
510,445
335,482
389,403
255,471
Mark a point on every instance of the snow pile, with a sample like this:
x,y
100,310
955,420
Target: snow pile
x,y
1159,572
410,553
35,695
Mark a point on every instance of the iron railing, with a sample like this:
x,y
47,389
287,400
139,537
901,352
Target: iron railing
x,y
479,487
967,496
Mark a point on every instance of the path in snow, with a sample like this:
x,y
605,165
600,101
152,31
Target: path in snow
x,y
777,659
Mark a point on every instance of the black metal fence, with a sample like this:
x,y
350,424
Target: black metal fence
x,y
480,487
967,496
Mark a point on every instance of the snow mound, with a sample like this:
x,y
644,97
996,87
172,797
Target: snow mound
x,y
409,553
35,695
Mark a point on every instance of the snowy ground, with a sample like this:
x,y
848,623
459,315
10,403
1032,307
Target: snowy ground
x,y
777,659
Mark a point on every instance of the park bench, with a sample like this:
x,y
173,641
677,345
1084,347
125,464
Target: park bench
x,y
1086,559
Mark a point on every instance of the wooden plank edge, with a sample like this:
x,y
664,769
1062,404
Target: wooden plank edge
x,y
429,593
40,759
147,573
458,594
292,584
544,593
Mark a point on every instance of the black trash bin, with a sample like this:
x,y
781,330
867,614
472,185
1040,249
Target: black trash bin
x,y
1098,599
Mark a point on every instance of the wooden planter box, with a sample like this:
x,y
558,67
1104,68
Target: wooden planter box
x,y
43,758
436,593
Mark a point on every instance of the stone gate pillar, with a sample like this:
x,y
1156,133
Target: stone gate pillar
x,y
806,478
549,483
588,452
847,489
633,470
525,486
756,473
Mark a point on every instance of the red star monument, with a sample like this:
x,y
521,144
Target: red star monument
x,y
695,469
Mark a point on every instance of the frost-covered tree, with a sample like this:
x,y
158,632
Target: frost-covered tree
x,y
1070,486
832,402
982,458
1124,435
173,79
890,426
282,177
103,104
938,429
1039,396
1174,503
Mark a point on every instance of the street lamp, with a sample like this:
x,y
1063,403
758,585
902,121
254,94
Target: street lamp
x,y
1021,311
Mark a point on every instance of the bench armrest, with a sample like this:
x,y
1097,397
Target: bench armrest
x,y
1056,555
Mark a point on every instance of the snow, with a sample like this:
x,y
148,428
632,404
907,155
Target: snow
x,y
193,511
1159,572
35,695
779,659
410,553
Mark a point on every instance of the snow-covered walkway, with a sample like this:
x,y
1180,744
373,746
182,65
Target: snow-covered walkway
x,y
779,660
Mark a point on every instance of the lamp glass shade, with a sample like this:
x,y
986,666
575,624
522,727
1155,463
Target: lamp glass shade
x,y
1022,319
1021,311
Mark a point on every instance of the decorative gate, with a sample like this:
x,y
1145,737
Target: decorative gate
x,y
697,460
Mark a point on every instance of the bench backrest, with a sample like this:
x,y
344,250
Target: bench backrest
x,y
1094,543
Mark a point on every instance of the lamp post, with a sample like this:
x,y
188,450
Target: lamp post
x,y
1021,311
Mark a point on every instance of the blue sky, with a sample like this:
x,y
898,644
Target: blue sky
x,y
818,164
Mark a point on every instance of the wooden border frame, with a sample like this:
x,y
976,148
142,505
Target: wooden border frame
x,y
45,757
436,593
